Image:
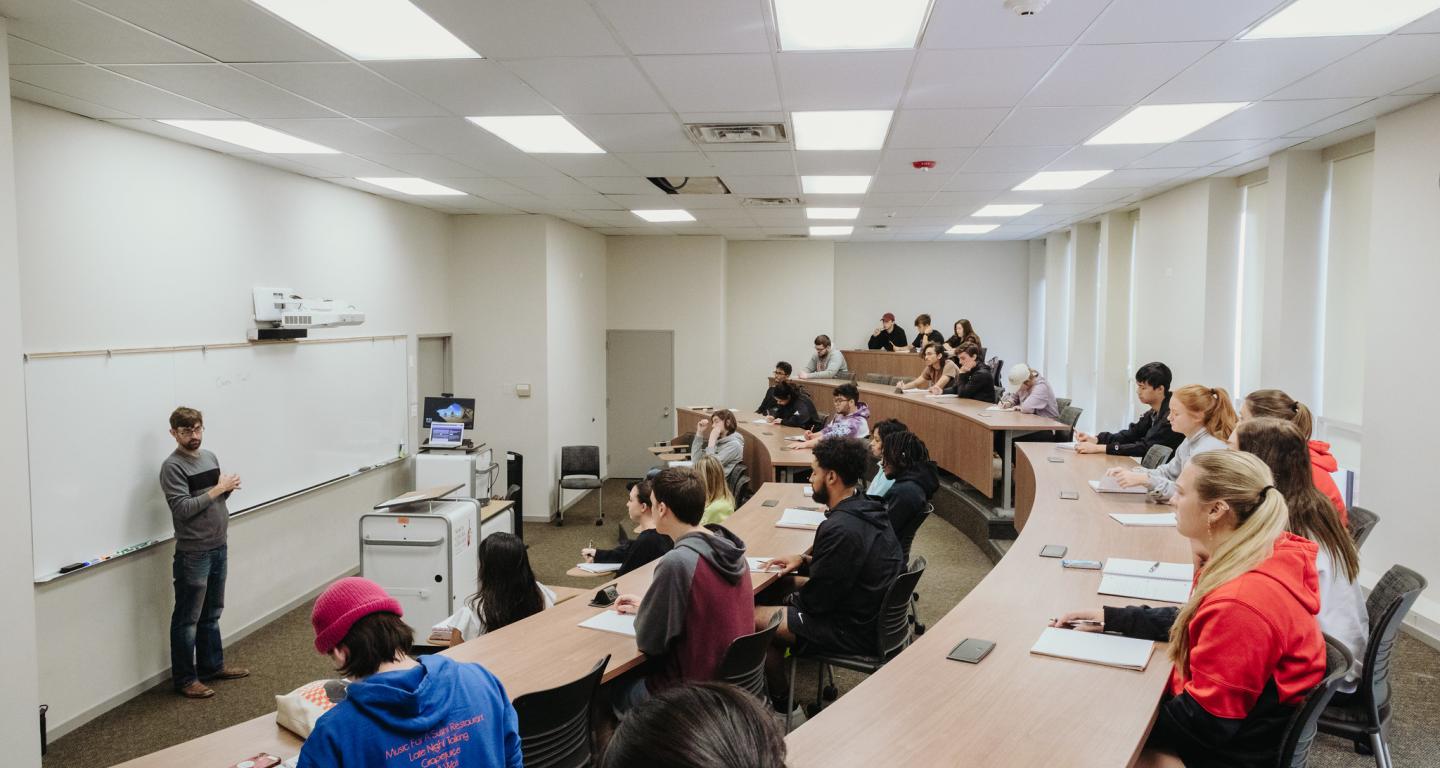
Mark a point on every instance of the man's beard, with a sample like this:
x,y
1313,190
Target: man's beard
x,y
822,495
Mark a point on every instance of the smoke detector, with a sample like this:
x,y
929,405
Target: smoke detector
x,y
1026,7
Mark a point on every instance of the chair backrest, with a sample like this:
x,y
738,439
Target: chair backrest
x,y
555,724
877,378
1300,733
907,537
899,379
996,366
1387,605
1362,522
1063,403
579,460
744,663
1157,455
739,482
1070,414
893,625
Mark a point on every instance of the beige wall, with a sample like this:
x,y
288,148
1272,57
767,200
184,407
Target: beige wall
x,y
780,295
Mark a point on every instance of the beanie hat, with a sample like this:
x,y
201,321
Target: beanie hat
x,y
344,603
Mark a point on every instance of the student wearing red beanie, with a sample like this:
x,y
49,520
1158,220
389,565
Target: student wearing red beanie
x,y
399,709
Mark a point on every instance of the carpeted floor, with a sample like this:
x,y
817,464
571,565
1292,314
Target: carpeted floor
x,y
281,657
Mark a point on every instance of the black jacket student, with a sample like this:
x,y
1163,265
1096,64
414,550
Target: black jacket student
x,y
921,339
1152,428
891,340
799,412
978,383
767,404
852,563
905,502
632,554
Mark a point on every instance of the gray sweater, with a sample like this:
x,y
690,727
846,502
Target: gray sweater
x,y
834,366
1163,477
729,450
200,521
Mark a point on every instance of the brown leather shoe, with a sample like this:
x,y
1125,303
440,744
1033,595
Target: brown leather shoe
x,y
196,690
230,673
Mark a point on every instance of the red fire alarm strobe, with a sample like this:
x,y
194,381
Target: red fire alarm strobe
x,y
923,165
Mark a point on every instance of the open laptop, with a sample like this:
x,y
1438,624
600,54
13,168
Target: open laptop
x,y
446,435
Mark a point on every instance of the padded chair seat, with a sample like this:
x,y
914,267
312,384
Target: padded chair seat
x,y
575,483
1350,716
848,661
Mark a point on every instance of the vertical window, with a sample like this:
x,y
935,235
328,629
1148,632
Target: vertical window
x,y
1346,282
1249,290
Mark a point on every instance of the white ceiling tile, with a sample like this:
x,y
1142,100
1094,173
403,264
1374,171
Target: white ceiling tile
x,y
1087,194
593,201
523,201
992,77
697,202
502,161
1101,156
1189,154
108,89
719,83
843,80
476,205
76,29
668,163
732,117
634,133
989,24
619,218
586,165
886,200
1148,21
909,182
1387,66
1263,150
763,185
650,202
1113,74
724,216
1249,70
50,98
426,166
608,85
1134,178
289,164
447,135
754,163
556,185
964,182
341,165
621,185
350,89
345,135
481,187
1011,159
175,134
466,86
228,30
1052,126
946,159
24,52
1426,87
1367,111
503,29
226,88
1268,119
668,26
943,127
837,163
1427,23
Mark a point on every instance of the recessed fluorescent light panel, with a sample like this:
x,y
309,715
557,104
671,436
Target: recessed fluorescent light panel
x,y
409,185
662,216
834,185
246,134
1323,18
372,30
832,213
971,229
1052,180
849,129
830,231
1163,123
847,25
540,134
997,210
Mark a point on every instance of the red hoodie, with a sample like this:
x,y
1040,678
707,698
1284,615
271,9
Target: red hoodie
x,y
1322,463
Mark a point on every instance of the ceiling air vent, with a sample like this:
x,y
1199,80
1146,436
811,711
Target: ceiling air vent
x,y
690,185
769,202
737,133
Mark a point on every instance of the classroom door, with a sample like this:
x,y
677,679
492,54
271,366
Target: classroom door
x,y
639,397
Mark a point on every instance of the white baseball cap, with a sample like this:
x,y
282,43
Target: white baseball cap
x,y
1019,374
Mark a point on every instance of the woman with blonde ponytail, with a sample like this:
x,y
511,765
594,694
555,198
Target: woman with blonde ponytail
x,y
1246,645
1205,417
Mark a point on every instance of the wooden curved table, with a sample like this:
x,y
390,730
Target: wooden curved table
x,y
766,449
1013,708
863,361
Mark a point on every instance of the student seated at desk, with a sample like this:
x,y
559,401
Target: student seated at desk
x,y
718,436
850,418
975,380
826,363
778,378
397,705
698,725
719,501
906,461
700,598
938,373
648,545
1029,392
508,592
1152,387
793,407
1277,404
1246,646
963,334
924,334
880,483
833,600
1204,416
888,336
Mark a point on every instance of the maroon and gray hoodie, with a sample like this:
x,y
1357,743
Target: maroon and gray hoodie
x,y
699,600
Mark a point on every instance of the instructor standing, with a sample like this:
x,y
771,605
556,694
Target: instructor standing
x,y
196,493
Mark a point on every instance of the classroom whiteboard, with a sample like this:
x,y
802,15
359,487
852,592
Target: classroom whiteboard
x,y
284,417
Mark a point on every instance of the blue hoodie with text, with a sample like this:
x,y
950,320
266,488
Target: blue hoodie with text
x,y
439,714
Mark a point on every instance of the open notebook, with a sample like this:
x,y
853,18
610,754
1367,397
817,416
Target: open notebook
x,y
1161,520
794,517
598,567
610,621
1094,647
1107,484
1147,580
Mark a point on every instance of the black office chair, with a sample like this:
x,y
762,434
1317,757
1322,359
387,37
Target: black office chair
x,y
579,470
743,665
1063,403
1300,733
907,538
1070,414
893,635
555,724
739,482
877,378
1157,455
1364,716
1362,522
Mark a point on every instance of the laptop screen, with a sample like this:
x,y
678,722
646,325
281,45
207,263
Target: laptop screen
x,y
441,432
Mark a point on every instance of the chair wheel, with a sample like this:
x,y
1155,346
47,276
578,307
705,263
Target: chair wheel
x,y
559,521
600,521
1363,748
829,693
919,628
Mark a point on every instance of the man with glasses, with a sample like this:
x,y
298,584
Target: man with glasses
x,y
196,492
778,379
825,363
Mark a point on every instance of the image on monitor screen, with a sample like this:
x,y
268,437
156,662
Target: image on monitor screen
x,y
450,410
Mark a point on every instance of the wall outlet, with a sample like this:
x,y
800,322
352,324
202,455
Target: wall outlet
x,y
522,390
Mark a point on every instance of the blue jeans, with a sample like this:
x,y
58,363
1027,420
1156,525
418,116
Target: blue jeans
x,y
195,651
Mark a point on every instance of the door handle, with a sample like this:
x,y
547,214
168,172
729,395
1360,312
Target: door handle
x,y
666,412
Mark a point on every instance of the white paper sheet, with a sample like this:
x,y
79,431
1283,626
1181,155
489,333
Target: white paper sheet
x,y
757,565
598,567
1094,647
800,518
1166,519
610,621
1107,484
1142,588
1149,569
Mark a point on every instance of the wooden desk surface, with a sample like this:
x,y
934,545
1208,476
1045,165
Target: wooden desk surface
x,y
542,651
863,361
494,507
1013,708
765,444
973,410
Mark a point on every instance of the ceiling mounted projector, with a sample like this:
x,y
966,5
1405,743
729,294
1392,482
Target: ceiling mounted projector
x,y
1026,7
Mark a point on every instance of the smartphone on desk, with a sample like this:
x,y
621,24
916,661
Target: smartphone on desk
x,y
605,597
770,503
971,650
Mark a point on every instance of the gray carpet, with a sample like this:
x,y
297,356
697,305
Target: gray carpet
x,y
281,657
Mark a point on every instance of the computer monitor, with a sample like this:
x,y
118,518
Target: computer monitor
x,y
450,410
